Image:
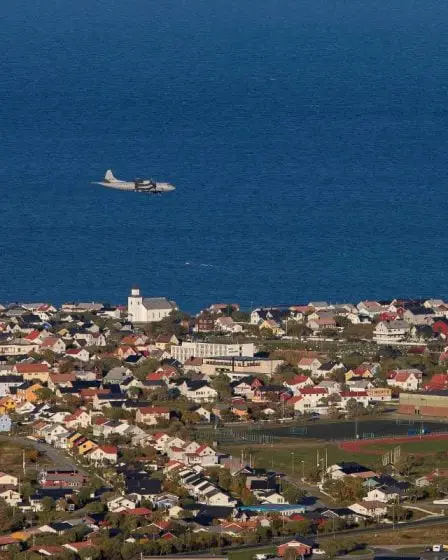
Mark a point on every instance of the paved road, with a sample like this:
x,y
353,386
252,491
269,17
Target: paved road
x,y
57,457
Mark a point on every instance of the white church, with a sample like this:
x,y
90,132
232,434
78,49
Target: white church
x,y
148,310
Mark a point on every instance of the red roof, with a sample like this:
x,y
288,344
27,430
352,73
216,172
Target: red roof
x,y
109,449
353,394
298,379
438,381
32,335
306,361
7,540
32,368
293,400
137,511
155,376
80,545
154,410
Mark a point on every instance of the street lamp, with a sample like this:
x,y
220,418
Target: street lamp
x,y
303,470
292,462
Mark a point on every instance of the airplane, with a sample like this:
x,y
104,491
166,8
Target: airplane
x,y
137,185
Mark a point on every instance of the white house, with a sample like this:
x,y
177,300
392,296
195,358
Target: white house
x,y
198,391
148,310
390,332
8,479
120,504
406,379
370,508
80,354
383,494
11,497
103,454
151,415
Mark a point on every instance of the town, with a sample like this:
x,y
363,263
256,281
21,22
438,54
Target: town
x,y
140,430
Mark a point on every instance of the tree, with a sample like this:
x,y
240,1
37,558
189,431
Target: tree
x,y
45,394
148,366
221,384
292,493
190,417
66,366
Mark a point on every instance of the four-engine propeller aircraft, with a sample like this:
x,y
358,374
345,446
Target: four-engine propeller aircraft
x,y
137,185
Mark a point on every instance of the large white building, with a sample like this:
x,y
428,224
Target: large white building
x,y
148,310
390,332
187,350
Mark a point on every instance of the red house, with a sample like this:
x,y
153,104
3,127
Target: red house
x,y
441,327
438,382
301,547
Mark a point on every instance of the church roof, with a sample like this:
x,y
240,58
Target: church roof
x,y
158,303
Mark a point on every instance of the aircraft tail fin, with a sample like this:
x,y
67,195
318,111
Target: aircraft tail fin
x,y
109,175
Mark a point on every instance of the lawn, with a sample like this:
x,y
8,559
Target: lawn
x,y
249,553
11,459
293,456
296,456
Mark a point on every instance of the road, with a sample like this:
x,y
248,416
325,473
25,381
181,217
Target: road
x,y
57,457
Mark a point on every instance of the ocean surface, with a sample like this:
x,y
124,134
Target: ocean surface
x,y
308,141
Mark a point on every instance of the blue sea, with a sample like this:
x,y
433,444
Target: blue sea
x,y
308,141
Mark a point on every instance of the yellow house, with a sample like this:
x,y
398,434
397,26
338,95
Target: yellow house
x,y
361,371
71,440
86,446
272,326
63,332
29,392
7,404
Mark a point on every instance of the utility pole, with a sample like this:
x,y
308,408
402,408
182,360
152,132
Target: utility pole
x,y
292,462
303,470
23,462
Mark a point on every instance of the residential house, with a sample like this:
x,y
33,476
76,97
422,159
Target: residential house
x,y
164,341
152,415
361,397
7,382
309,364
246,386
80,354
57,380
227,324
370,508
5,423
391,332
198,391
103,454
55,344
405,379
327,368
298,382
8,480
440,327
11,497
79,419
300,546
31,372
29,391
419,315
122,503
340,470
384,495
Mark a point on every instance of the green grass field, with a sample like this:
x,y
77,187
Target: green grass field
x,y
11,459
249,553
295,456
